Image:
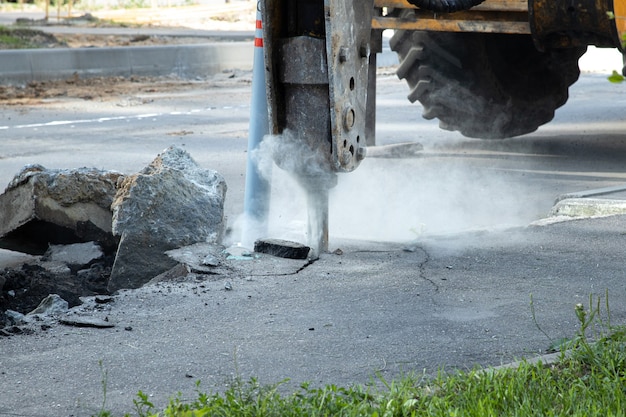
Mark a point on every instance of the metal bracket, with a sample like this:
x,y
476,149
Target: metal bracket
x,y
348,32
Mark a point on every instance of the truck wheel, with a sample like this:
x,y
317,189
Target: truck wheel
x,y
488,86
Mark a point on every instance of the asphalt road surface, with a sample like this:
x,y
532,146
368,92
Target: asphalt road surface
x,y
436,267
456,184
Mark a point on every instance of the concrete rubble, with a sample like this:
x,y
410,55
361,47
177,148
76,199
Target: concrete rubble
x,y
83,273
282,248
203,258
50,308
52,304
42,206
75,254
169,204
91,232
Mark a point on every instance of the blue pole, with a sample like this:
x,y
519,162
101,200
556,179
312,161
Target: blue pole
x,y
257,188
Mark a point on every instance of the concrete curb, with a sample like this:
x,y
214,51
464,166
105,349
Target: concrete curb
x,y
588,207
597,192
184,61
595,203
599,202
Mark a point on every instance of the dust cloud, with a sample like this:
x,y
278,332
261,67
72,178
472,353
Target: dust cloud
x,y
403,200
288,215
447,189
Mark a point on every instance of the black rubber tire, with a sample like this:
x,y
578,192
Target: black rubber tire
x,y
487,86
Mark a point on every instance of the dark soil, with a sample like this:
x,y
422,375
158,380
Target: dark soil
x,y
26,287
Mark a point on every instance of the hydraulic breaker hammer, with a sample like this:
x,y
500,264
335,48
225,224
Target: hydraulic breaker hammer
x,y
317,57
487,68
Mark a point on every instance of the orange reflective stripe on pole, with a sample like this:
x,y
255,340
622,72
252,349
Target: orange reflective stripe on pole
x,y
258,35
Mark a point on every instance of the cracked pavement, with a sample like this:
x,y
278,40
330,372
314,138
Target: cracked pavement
x,y
447,298
378,308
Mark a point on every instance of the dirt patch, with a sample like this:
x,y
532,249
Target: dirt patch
x,y
25,38
111,88
99,41
100,88
24,288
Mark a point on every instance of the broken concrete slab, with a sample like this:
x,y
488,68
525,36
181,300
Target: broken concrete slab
x,y
12,259
282,248
234,262
42,206
14,318
76,255
86,322
171,203
201,257
51,305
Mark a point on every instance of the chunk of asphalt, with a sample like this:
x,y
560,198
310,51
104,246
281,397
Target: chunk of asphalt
x,y
52,304
86,322
41,206
282,248
79,254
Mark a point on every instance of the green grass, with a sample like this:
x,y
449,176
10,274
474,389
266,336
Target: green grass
x,y
24,38
589,379
9,40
